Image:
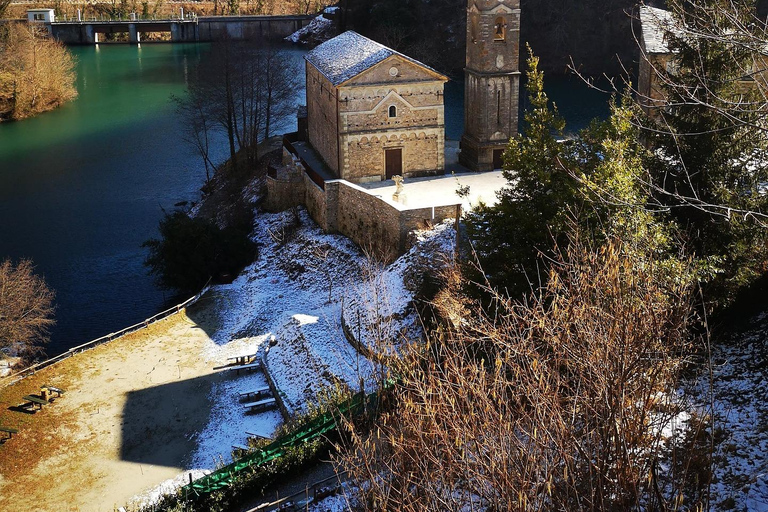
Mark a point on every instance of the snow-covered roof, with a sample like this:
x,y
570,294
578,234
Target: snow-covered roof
x,y
656,24
349,54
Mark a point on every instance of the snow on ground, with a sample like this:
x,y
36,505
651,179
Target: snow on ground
x,y
167,487
230,423
287,307
442,190
294,295
381,309
740,372
317,28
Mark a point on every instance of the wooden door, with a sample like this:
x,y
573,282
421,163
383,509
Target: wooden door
x,y
393,162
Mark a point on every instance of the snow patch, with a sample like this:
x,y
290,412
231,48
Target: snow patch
x,y
317,29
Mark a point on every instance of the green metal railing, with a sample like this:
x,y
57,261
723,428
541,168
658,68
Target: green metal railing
x,y
319,426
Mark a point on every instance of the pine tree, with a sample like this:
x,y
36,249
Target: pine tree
x,y
710,155
532,209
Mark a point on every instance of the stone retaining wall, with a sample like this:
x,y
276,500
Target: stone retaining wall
x,y
342,207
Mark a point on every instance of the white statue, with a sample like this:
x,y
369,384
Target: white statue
x,y
398,188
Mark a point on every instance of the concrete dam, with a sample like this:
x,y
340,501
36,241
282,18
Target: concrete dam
x,y
183,30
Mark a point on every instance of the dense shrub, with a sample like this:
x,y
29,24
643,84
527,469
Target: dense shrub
x,y
191,251
37,73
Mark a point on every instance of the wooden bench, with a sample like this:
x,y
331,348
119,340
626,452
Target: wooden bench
x,y
250,366
260,405
243,359
256,393
36,401
10,431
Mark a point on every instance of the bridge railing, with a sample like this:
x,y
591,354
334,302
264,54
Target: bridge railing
x,y
131,17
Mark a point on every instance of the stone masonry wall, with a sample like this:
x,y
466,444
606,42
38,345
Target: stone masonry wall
x,y
372,223
316,203
369,222
283,194
423,153
322,118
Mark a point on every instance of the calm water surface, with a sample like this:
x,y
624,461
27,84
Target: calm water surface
x,y
82,187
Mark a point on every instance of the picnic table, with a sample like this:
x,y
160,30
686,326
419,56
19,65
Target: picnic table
x,y
242,359
260,405
53,389
8,430
256,393
249,366
33,401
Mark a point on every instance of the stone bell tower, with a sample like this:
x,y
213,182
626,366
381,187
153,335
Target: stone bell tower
x,y
492,82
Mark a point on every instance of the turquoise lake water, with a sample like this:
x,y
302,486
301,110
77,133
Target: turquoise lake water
x,y
83,186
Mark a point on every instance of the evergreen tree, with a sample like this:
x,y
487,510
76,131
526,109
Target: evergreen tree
x,y
710,159
596,185
532,209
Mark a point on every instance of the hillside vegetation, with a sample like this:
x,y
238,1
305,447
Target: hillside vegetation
x,y
570,329
37,74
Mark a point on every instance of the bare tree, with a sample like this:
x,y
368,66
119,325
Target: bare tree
x,y
36,73
26,309
710,87
4,7
197,128
243,90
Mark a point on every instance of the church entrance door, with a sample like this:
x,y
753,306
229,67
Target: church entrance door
x,y
393,162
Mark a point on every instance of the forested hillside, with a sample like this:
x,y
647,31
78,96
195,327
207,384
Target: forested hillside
x,y
596,33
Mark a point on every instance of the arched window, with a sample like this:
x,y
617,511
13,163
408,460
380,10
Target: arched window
x,y
392,111
500,32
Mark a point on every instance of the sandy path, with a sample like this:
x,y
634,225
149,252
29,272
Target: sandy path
x,y
128,420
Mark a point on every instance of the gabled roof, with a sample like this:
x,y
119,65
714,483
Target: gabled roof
x,y
655,25
349,54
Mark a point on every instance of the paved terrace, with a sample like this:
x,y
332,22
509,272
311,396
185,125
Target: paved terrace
x,y
441,190
428,191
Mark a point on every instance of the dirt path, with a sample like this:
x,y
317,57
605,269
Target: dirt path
x,y
128,421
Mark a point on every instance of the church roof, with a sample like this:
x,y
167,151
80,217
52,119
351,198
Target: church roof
x,y
655,25
349,54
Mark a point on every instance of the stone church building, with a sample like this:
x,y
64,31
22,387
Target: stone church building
x,y
373,113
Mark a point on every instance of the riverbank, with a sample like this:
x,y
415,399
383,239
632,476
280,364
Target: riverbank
x,y
37,73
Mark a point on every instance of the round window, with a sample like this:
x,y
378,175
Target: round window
x,y
393,71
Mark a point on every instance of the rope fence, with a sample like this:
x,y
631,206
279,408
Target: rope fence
x,y
31,370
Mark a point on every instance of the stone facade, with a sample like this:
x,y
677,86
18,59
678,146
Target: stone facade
x,y
372,112
322,117
492,82
342,207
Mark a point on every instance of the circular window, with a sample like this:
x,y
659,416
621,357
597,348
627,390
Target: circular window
x,y
393,71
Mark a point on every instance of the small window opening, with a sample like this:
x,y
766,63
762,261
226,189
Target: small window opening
x,y
500,33
392,111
